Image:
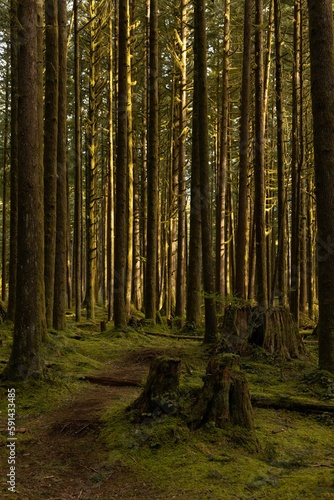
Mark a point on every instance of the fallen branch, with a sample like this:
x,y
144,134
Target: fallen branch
x,y
171,336
286,403
112,381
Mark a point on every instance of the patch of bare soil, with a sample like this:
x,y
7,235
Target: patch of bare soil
x,y
62,456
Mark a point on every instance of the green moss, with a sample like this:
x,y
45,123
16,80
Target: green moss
x,y
296,457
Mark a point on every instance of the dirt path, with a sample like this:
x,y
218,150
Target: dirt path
x,y
64,457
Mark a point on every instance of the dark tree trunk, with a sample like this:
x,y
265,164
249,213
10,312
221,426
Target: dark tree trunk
x,y
259,168
241,235
60,283
29,328
120,316
152,170
14,162
50,151
195,232
203,148
322,83
281,190
77,237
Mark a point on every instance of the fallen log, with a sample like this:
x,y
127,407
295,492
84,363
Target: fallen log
x,y
287,403
171,336
110,381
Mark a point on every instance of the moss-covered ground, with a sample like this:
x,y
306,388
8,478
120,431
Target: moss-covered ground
x,y
76,439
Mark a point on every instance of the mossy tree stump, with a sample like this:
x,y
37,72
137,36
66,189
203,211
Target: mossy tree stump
x,y
162,385
225,399
225,395
272,329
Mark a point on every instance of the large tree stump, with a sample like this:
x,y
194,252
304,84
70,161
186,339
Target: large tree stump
x,y
159,394
225,396
273,329
225,399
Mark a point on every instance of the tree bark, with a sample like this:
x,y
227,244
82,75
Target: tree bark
x,y
259,169
29,328
241,235
120,316
60,282
50,151
152,169
322,83
200,49
77,237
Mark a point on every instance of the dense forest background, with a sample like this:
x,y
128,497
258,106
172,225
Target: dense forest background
x,y
155,160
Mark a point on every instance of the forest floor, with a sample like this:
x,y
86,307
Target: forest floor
x,y
76,441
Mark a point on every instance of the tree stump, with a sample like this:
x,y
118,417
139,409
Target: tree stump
x,y
273,329
225,399
159,394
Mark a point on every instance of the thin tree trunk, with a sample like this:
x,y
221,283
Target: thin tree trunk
x,y
60,283
120,314
50,151
221,278
281,189
295,176
152,170
241,236
77,243
14,161
207,259
110,179
5,185
180,309
259,169
129,261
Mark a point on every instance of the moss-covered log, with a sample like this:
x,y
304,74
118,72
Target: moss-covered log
x,y
273,329
224,398
161,388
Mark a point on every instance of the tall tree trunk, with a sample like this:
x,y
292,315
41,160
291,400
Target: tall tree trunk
x,y
14,161
295,175
322,82
241,235
92,164
129,260
152,169
259,169
110,179
281,190
77,239
120,314
50,151
221,277
200,48
180,309
5,184
60,283
29,328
